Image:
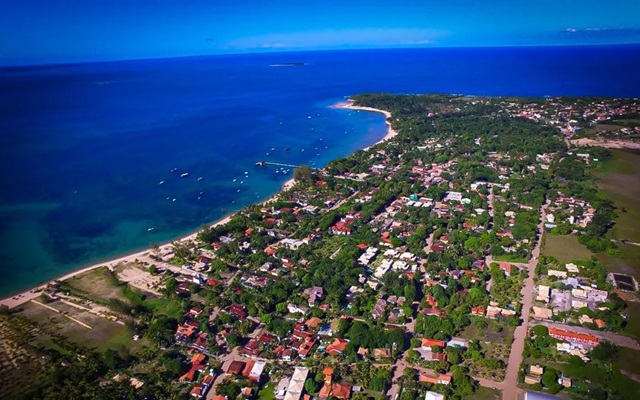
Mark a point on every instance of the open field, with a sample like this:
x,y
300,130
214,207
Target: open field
x,y
620,181
103,334
489,333
98,285
565,248
484,393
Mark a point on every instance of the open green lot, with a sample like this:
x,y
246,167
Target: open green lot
x,y
620,181
98,285
104,334
565,248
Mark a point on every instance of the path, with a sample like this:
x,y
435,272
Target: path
x,y
510,391
400,364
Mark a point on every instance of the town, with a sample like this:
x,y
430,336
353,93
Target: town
x,y
419,268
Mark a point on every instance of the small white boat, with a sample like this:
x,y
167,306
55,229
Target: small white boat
x,y
184,175
173,200
234,180
150,229
200,178
174,170
161,182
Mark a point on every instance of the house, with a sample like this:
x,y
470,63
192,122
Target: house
x,y
236,367
536,370
238,310
256,371
286,355
557,273
543,293
337,347
505,267
379,309
541,313
306,346
433,396
428,344
296,384
442,379
531,380
429,355
313,322
380,354
573,337
478,311
600,323
197,365
252,348
341,391
315,293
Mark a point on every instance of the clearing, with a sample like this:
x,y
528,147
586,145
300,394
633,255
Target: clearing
x,y
565,248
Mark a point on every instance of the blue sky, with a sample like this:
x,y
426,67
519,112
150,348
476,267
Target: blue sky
x,y
49,31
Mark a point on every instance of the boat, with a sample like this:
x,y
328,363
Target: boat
x,y
184,175
150,229
200,178
174,170
161,182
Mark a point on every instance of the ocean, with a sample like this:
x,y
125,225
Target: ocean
x,y
84,147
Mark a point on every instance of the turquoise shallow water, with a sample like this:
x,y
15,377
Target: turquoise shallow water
x,y
84,147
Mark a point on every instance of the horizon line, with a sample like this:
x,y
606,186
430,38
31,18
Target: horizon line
x,y
317,50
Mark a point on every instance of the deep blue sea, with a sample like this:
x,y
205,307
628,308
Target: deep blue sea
x,y
84,146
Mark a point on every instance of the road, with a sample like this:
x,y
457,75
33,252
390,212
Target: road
x,y
510,391
401,364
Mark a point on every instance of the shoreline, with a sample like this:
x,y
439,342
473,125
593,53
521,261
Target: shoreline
x,y
349,105
19,298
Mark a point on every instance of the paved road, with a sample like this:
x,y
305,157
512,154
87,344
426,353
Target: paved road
x,y
510,391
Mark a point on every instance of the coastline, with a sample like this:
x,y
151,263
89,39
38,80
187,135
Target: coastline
x,y
349,105
35,292
18,299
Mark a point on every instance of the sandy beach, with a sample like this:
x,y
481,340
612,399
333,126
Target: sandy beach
x,y
349,104
34,293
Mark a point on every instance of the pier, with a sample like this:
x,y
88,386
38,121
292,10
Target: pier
x,y
263,163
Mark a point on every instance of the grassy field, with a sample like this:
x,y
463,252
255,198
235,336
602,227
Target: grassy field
x,y
104,334
565,248
620,182
489,333
97,285
484,393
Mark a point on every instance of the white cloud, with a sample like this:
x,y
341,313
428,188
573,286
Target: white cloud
x,y
370,37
